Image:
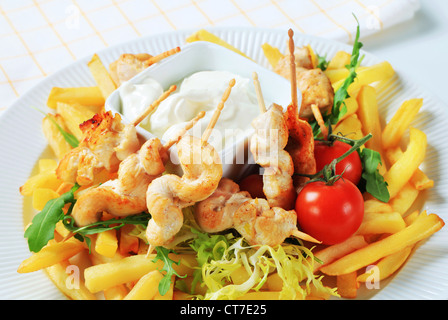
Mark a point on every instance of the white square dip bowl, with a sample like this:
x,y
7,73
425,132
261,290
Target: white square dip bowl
x,y
205,56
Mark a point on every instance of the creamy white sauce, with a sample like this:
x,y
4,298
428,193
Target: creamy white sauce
x,y
202,91
135,98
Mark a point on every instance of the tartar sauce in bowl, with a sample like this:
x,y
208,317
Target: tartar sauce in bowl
x,y
201,91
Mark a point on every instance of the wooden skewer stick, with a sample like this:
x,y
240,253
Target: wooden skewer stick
x,y
153,106
292,66
217,113
161,56
301,235
260,99
320,121
189,125
150,250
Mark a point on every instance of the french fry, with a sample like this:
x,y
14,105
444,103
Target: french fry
x,y
400,122
102,77
51,254
419,179
47,165
128,244
146,288
41,196
369,117
336,251
62,278
55,139
340,60
404,198
106,243
411,217
264,295
402,170
385,222
179,295
103,276
423,227
41,180
335,75
272,54
74,115
204,35
347,285
388,265
313,56
349,127
61,230
239,275
274,282
116,293
374,205
352,107
367,76
89,96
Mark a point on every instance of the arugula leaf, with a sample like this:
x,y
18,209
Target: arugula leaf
x,y
81,233
70,138
167,270
339,108
342,93
43,224
374,181
322,62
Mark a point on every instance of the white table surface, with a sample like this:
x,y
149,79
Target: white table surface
x,y
418,47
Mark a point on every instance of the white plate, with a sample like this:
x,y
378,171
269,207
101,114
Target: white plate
x,y
22,143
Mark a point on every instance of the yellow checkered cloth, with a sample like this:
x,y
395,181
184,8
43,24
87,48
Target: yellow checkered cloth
x,y
38,37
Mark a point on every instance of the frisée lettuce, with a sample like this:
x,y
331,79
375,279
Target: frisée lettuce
x,y
292,263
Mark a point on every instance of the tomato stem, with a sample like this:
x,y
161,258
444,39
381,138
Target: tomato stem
x,y
328,173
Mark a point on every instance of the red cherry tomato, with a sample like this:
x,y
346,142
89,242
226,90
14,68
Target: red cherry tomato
x,y
330,213
325,153
254,185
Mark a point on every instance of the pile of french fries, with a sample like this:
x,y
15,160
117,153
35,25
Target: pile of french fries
x,y
117,266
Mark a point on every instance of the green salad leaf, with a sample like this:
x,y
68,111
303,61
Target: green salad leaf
x,y
322,62
167,269
43,224
374,181
339,109
208,247
70,138
81,233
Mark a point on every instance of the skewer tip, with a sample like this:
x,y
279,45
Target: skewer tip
x,y
255,76
290,33
150,250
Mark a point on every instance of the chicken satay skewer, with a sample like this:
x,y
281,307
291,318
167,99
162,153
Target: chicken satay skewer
x,y
153,106
217,113
107,141
301,142
267,147
167,195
